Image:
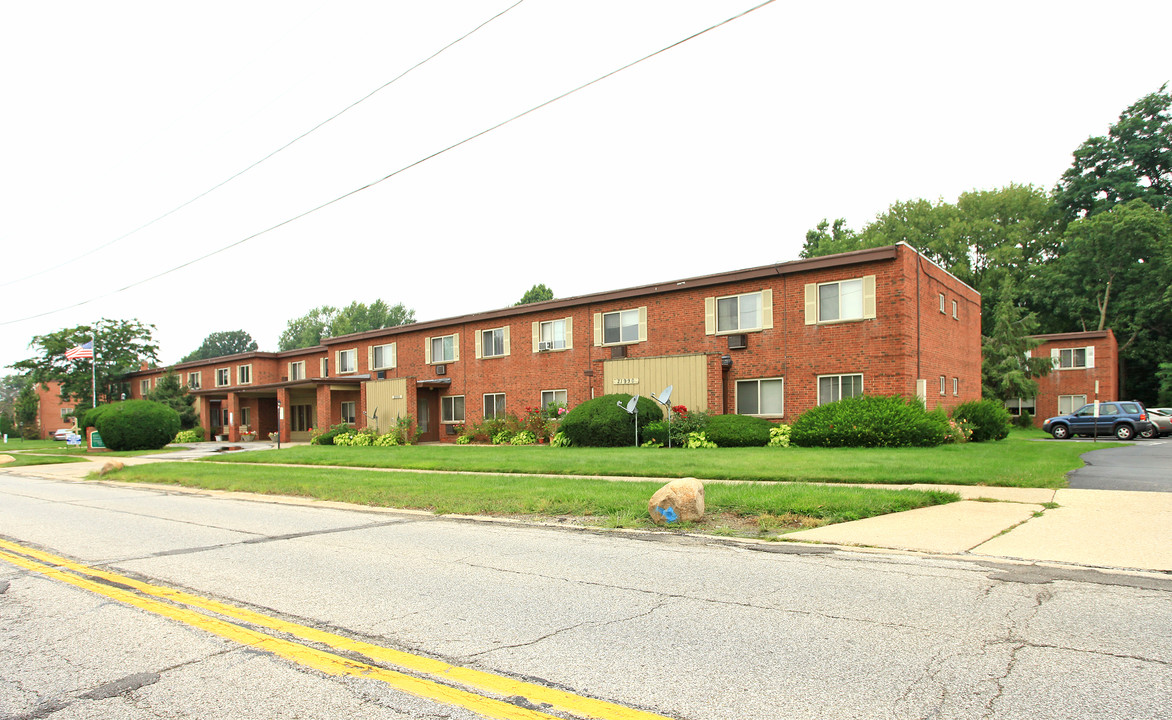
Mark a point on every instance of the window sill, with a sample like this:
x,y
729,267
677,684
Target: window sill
x,y
840,322
739,332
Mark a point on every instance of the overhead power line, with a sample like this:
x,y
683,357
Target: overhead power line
x,y
403,169
284,147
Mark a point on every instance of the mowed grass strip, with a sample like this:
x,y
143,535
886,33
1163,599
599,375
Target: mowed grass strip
x,y
21,460
1019,461
614,503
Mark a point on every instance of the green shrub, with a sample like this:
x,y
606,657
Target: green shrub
x,y
654,434
602,422
327,437
869,421
525,437
559,440
779,435
89,417
738,430
697,440
195,434
387,440
988,419
137,425
1025,420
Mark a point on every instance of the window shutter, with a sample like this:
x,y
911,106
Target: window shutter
x,y
536,335
505,332
370,357
394,354
868,296
812,303
1090,356
455,346
709,316
426,351
643,324
597,329
767,309
569,333
479,344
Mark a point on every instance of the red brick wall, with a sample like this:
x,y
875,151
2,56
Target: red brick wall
x,y
1080,381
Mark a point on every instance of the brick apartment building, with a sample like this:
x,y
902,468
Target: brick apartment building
x,y
771,341
1086,368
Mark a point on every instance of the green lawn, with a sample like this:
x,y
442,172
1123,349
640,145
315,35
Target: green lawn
x,y
61,449
1018,461
23,459
739,508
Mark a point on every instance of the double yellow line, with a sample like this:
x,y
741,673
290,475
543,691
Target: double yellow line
x,y
417,675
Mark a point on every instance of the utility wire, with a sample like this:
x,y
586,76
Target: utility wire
x,y
286,146
383,179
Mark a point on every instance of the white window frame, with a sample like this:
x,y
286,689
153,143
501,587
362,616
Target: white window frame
x,y
67,412
300,374
448,407
838,386
226,374
429,350
539,334
353,414
638,314
1088,358
497,412
712,324
554,396
389,359
840,316
955,387
942,305
244,374
144,386
737,396
1072,402
246,416
486,347
197,377
340,357
324,366
955,315
943,385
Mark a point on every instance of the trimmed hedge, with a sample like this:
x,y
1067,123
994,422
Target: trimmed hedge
x,y
137,425
988,419
738,431
602,423
870,421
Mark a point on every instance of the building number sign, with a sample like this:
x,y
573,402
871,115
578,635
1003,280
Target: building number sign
x,y
626,381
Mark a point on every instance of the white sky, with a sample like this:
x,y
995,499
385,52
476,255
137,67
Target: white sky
x,y
716,155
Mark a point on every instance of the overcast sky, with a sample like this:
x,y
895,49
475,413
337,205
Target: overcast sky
x,y
715,155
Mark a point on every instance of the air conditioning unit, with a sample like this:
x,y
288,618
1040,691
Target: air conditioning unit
x,y
544,346
441,369
381,374
738,342
618,351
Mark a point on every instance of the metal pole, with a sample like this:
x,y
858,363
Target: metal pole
x,y
94,369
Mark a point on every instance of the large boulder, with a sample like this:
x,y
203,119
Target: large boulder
x,y
680,500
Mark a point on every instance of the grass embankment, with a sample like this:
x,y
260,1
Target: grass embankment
x,y
738,508
1014,462
81,452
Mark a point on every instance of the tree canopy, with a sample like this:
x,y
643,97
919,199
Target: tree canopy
x,y
328,321
1132,161
219,344
171,391
120,346
537,293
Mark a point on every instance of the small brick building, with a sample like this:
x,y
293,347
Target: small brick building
x,y
1086,368
771,341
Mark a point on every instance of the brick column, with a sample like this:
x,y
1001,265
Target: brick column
x,y
324,411
234,415
286,422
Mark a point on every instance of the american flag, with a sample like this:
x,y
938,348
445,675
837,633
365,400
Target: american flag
x,y
85,350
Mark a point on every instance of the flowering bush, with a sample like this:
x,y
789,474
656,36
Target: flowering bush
x,y
958,431
681,410
189,436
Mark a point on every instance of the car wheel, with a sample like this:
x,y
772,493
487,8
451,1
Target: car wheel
x,y
1124,432
1146,434
1060,432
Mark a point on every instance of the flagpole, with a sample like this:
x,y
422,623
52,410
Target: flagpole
x,y
94,368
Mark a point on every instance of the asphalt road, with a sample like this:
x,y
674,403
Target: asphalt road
x,y
1143,465
668,625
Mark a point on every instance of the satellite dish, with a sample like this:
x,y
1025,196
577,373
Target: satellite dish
x,y
632,404
375,416
664,396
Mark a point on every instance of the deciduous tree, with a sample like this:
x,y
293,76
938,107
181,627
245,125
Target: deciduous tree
x,y
219,344
537,293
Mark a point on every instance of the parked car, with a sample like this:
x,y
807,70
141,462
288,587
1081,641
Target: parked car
x,y
1161,424
61,434
1122,418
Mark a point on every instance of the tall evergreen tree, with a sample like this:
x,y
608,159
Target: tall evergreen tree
x,y
1007,370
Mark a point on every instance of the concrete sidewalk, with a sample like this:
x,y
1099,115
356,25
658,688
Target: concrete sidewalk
x,y
1095,528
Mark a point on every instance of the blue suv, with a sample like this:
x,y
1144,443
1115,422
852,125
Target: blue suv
x,y
1125,419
